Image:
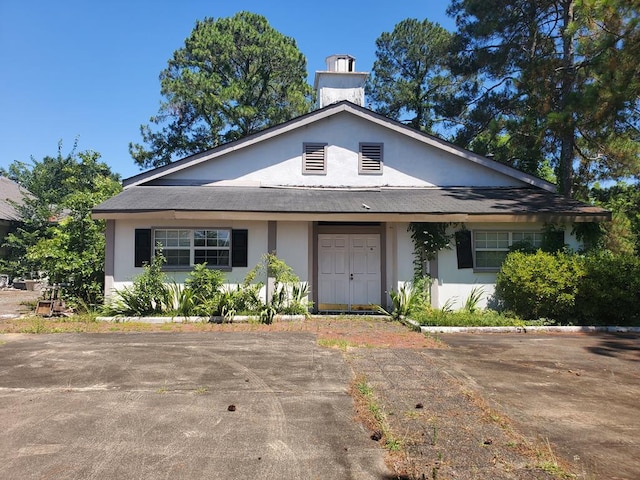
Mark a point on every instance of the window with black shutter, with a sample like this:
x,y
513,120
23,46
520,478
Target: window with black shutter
x,y
239,248
142,247
463,249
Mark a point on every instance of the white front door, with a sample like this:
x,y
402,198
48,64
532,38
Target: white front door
x,y
348,272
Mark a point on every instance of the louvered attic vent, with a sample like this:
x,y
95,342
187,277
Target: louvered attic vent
x,y
370,158
314,159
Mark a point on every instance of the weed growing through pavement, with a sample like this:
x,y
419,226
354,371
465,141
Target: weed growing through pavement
x,y
163,389
335,343
201,390
548,462
546,459
372,414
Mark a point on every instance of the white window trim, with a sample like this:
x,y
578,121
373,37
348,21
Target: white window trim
x,y
192,247
511,242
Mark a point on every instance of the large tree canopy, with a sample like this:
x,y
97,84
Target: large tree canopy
x,y
234,76
58,237
409,78
552,80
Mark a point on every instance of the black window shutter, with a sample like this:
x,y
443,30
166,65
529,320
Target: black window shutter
x,y
142,248
463,249
239,247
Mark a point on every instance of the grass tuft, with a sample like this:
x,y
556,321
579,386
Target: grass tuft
x,y
371,413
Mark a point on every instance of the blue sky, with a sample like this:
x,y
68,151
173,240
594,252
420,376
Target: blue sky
x,y
89,70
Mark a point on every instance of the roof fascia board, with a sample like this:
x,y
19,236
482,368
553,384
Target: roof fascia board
x,y
354,217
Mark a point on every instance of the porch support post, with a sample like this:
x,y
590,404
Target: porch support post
x,y
433,289
272,247
109,256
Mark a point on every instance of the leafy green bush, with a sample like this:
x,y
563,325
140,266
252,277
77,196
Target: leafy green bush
x,y
148,295
540,285
289,295
203,293
609,293
409,300
597,289
203,287
465,318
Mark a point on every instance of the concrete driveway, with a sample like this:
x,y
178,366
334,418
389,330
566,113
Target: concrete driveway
x,y
579,392
83,406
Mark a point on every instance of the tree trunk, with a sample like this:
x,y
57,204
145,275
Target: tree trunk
x,y
567,87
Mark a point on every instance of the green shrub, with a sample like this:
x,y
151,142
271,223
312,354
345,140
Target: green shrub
x,y
203,295
540,285
289,296
203,287
597,289
609,293
478,318
182,301
147,296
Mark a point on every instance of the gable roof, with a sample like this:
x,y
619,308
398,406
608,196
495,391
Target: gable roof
x,y
315,204
328,111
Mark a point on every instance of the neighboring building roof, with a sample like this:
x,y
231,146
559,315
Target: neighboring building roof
x,y
328,111
10,193
384,204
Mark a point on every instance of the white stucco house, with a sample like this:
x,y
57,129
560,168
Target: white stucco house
x,y
332,193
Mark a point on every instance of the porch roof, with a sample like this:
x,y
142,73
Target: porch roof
x,y
381,204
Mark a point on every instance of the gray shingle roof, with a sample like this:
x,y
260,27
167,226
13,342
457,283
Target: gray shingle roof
x,y
473,201
10,192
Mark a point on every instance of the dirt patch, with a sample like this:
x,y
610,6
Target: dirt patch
x,y
351,332
14,302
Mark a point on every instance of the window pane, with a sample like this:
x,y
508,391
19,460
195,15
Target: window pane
x,y
481,239
185,238
176,256
492,239
502,240
224,238
215,258
173,238
490,259
160,237
533,238
199,238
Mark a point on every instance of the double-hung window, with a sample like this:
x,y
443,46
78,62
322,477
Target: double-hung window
x,y
186,247
491,247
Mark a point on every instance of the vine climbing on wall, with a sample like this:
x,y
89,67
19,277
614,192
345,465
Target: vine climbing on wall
x,y
428,239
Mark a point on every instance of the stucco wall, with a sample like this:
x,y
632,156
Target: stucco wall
x,y
407,162
293,247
